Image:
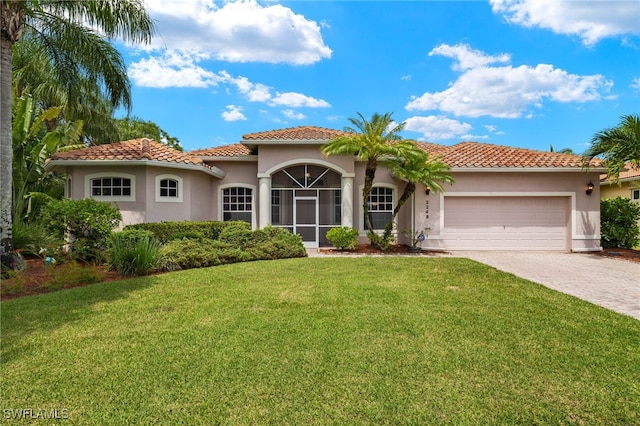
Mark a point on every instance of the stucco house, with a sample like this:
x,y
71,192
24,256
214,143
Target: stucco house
x,y
503,198
628,185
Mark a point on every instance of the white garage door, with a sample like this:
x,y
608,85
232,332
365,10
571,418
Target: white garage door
x,y
506,223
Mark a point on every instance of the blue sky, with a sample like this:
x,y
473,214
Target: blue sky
x,y
524,73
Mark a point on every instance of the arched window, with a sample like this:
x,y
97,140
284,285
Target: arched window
x,y
110,186
168,189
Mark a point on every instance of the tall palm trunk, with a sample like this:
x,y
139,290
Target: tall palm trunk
x,y
7,255
369,175
12,23
409,189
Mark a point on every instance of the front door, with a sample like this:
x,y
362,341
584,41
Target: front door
x,y
305,220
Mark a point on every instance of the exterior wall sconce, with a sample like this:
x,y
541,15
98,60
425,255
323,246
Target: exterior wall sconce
x,y
427,191
589,188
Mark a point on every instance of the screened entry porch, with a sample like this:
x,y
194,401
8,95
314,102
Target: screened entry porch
x,y
307,200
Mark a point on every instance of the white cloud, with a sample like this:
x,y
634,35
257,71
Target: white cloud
x,y
437,127
506,91
493,129
296,100
172,70
406,77
237,31
468,58
289,113
233,113
635,83
590,20
254,92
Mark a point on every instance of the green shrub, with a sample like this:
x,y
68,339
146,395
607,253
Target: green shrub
x,y
133,252
343,237
168,231
189,235
619,223
238,235
279,244
187,254
87,222
236,244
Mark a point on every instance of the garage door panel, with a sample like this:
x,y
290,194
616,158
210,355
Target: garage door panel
x,y
520,223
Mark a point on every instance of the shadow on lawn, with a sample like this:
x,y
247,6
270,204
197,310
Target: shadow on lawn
x,y
47,312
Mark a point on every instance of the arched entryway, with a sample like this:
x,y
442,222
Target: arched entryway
x,y
307,199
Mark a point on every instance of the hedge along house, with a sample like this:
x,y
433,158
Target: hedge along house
x,y
503,198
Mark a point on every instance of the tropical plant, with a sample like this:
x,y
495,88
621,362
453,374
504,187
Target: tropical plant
x,y
134,127
618,145
133,252
371,141
415,167
32,146
70,35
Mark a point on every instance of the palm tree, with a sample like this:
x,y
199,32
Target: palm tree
x,y
371,141
81,97
414,168
618,145
69,34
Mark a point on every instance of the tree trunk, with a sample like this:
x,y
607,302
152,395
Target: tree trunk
x,y
6,154
409,189
369,175
12,22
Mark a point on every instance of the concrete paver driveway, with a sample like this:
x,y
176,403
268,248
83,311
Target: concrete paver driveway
x,y
612,283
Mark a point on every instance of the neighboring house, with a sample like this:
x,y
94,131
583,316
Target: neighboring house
x,y
503,198
627,187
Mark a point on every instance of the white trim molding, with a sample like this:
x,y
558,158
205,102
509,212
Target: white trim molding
x,y
254,194
361,227
169,199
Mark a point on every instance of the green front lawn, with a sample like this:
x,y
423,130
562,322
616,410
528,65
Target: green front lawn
x,y
385,340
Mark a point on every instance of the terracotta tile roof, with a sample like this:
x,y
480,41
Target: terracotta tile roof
x,y
302,133
630,174
136,149
235,150
482,155
433,149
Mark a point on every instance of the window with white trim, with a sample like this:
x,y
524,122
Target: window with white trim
x,y
237,204
110,186
380,206
635,195
168,189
